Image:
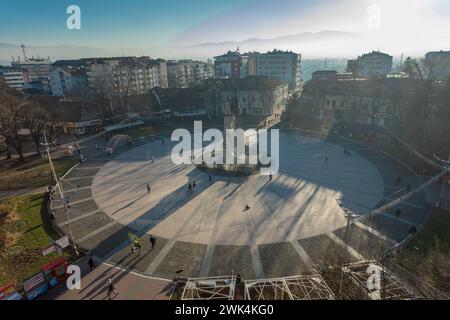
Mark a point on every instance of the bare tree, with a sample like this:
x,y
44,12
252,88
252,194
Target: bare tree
x,y
12,111
40,114
102,88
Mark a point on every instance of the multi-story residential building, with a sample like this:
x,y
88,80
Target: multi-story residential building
x,y
126,76
374,64
14,78
66,81
229,66
252,63
186,73
282,65
437,64
37,68
257,96
162,72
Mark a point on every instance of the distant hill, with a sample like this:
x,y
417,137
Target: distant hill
x,y
324,43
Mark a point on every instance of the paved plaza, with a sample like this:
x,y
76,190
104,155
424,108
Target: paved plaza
x,y
293,222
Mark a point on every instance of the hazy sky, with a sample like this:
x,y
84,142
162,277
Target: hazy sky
x,y
404,25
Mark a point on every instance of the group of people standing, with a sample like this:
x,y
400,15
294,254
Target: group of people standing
x,y
137,247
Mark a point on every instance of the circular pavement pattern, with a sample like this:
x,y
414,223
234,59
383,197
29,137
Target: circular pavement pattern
x,y
299,202
293,222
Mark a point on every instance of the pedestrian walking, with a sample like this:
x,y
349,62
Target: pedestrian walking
x,y
399,180
91,263
413,230
270,177
111,289
152,242
209,177
398,212
190,188
238,279
326,160
148,188
194,186
137,245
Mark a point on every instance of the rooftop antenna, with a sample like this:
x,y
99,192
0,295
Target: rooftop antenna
x,y
23,51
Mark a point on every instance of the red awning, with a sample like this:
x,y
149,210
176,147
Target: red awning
x,y
52,265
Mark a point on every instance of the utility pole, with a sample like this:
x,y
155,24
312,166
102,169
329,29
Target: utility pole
x,y
61,192
447,167
446,164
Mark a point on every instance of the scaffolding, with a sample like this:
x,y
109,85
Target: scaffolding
x,y
213,288
303,287
391,286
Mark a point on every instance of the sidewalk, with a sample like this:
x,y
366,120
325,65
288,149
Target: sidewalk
x,y
20,192
130,285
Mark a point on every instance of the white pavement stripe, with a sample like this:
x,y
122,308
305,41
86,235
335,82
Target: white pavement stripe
x,y
89,168
207,260
160,257
80,217
95,232
74,202
79,178
344,245
390,216
375,232
303,255
76,189
256,259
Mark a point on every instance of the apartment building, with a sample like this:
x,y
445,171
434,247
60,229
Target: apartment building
x,y
186,73
281,65
66,81
14,78
126,76
229,66
37,68
437,64
276,64
373,64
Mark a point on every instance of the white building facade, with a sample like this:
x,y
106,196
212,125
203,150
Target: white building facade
x,y
256,96
374,64
14,78
281,65
437,65
127,76
64,82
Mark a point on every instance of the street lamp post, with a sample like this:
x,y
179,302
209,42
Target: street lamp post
x,y
61,192
446,164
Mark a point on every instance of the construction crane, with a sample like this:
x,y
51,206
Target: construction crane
x,y
24,52
419,71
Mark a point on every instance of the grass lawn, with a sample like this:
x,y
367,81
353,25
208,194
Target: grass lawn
x,y
428,255
22,237
32,174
